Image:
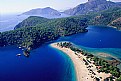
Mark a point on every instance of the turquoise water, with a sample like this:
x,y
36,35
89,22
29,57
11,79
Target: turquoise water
x,y
49,64
70,70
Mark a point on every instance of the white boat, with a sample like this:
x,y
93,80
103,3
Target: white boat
x,y
18,55
19,47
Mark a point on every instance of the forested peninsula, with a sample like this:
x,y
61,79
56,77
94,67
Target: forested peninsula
x,y
34,31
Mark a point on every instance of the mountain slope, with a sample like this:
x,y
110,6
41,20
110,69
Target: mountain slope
x,y
43,11
110,17
106,17
116,23
92,6
31,21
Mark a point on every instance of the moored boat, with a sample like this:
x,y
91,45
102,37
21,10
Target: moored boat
x,y
18,55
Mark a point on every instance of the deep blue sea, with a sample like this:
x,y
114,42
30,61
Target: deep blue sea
x,y
49,64
9,21
44,64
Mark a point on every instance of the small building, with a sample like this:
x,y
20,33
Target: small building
x,y
99,67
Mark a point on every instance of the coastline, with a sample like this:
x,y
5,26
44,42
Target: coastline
x,y
82,71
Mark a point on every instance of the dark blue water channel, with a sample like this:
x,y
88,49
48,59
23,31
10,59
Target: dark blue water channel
x,y
49,64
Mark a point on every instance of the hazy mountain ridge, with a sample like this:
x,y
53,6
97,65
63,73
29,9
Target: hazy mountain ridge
x,y
92,6
43,11
110,17
47,12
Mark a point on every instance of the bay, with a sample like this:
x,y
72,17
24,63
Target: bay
x,y
44,64
49,64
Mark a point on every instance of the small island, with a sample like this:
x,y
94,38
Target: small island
x,y
89,67
26,53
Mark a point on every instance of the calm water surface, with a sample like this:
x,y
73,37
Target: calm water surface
x,y
49,64
98,39
44,64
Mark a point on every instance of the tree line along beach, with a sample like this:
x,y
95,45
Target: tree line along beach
x,y
88,67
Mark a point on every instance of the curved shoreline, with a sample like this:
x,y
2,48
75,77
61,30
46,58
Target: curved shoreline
x,y
82,72
76,62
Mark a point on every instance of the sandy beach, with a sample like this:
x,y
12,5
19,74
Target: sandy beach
x,y
82,72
